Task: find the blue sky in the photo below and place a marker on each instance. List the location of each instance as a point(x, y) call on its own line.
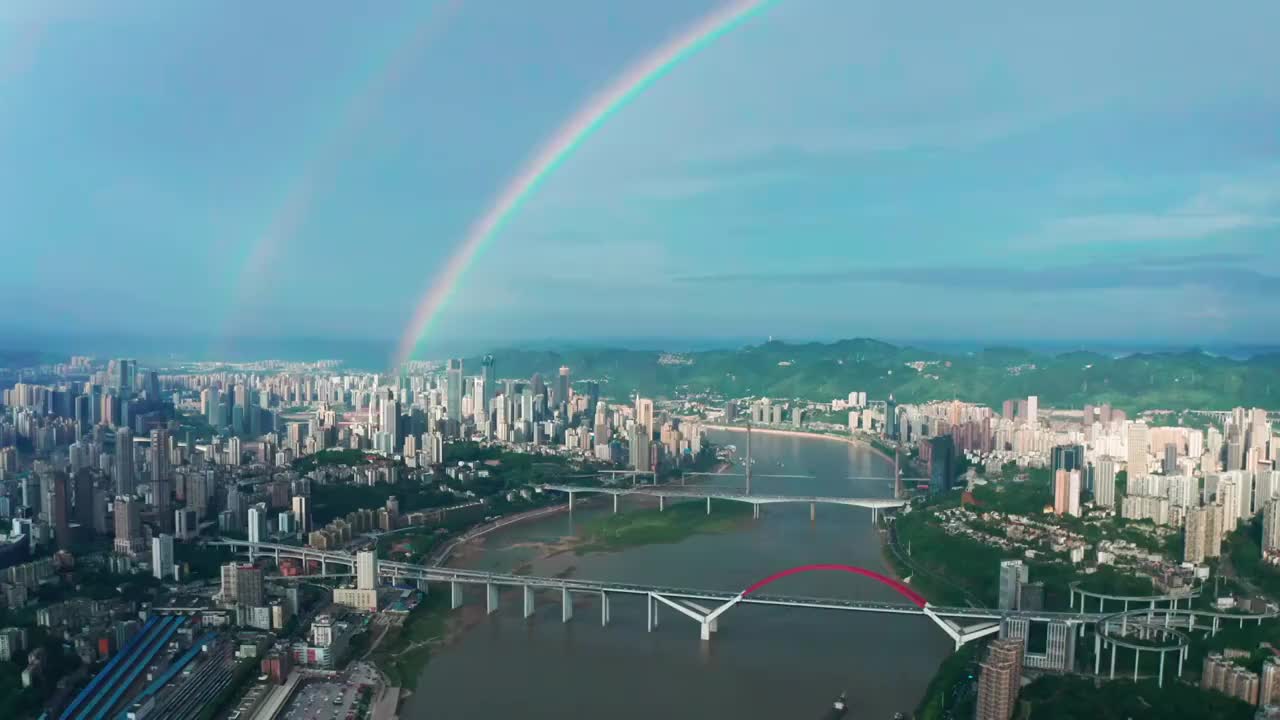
point(829, 169)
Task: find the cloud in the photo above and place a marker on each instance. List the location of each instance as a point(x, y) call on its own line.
point(1206, 271)
point(1224, 206)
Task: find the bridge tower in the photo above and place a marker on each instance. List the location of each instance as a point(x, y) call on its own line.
point(748, 456)
point(897, 476)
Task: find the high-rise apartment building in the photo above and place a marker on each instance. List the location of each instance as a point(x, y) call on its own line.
point(1066, 492)
point(301, 505)
point(1000, 680)
point(1137, 450)
point(366, 570)
point(128, 539)
point(1271, 527)
point(1104, 482)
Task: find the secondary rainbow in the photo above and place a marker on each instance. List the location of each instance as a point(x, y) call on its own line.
point(591, 116)
point(325, 161)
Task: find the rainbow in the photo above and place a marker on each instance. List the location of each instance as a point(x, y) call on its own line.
point(560, 146)
point(326, 161)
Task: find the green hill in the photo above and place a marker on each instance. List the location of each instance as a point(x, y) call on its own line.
point(822, 371)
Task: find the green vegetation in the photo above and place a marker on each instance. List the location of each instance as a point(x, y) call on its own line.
point(335, 500)
point(651, 526)
point(941, 700)
point(818, 371)
point(332, 456)
point(1059, 697)
point(1244, 546)
point(403, 656)
point(203, 561)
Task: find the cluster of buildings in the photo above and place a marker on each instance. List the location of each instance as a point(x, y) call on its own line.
point(1223, 672)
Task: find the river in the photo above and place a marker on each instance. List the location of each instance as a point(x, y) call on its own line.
point(763, 663)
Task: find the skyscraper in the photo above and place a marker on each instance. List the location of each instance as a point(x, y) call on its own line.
point(1033, 410)
point(258, 523)
point(162, 556)
point(942, 462)
point(128, 539)
point(1137, 450)
point(1013, 573)
point(1066, 492)
point(1068, 457)
point(562, 387)
point(124, 462)
point(1194, 535)
point(59, 505)
point(366, 570)
point(1104, 482)
point(1271, 527)
point(302, 511)
point(1000, 680)
point(453, 386)
point(490, 381)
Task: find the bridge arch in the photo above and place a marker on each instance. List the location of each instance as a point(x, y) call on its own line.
point(916, 598)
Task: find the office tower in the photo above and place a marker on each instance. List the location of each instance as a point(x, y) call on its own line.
point(1000, 680)
point(214, 418)
point(1066, 492)
point(639, 448)
point(1067, 457)
point(562, 387)
point(84, 415)
point(162, 556)
point(128, 539)
point(1104, 482)
point(593, 397)
point(124, 462)
point(453, 386)
point(1137, 450)
point(258, 523)
point(1006, 410)
point(389, 420)
point(301, 506)
point(942, 463)
point(1235, 455)
point(1013, 573)
point(487, 375)
point(1229, 499)
point(1271, 527)
point(366, 570)
point(1033, 410)
point(159, 455)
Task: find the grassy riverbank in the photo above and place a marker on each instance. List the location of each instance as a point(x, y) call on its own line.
point(402, 656)
point(651, 526)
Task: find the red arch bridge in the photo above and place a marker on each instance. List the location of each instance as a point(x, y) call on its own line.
point(704, 607)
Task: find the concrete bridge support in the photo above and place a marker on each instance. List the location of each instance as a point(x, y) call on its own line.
point(755, 510)
point(652, 606)
point(661, 503)
point(1097, 654)
point(570, 501)
point(455, 595)
point(1113, 661)
point(528, 602)
point(604, 609)
point(615, 503)
point(813, 512)
point(708, 506)
point(566, 605)
point(491, 598)
point(424, 586)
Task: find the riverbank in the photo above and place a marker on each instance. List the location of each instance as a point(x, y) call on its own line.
point(847, 439)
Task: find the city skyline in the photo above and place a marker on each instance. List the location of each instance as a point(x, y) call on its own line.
point(1132, 182)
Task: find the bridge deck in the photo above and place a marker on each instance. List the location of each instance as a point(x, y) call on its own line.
point(727, 494)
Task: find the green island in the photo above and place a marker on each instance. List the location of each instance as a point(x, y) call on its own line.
point(651, 526)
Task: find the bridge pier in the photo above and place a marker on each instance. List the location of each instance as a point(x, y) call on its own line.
point(491, 598)
point(1181, 656)
point(528, 602)
point(1113, 661)
point(566, 605)
point(706, 630)
point(324, 566)
point(1097, 654)
point(873, 516)
point(755, 511)
point(424, 586)
point(708, 505)
point(1160, 677)
point(571, 501)
point(661, 503)
point(455, 595)
point(1214, 631)
point(652, 611)
point(615, 503)
point(1137, 655)
point(604, 609)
